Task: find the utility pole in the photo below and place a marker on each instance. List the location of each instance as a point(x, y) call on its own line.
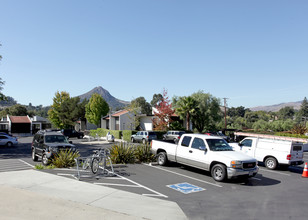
point(225, 105)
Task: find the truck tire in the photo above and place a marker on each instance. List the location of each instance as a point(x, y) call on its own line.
point(34, 157)
point(162, 159)
point(219, 172)
point(271, 163)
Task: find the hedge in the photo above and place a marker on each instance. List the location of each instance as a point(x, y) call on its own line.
point(127, 134)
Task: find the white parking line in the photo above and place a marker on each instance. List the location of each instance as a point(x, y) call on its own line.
point(151, 190)
point(179, 174)
point(277, 172)
point(114, 184)
point(256, 178)
point(26, 163)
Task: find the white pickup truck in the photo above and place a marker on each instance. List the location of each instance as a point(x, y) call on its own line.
point(205, 152)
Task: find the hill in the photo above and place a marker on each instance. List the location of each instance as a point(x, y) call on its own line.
point(113, 102)
point(277, 107)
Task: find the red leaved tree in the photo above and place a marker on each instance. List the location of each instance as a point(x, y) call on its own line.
point(163, 113)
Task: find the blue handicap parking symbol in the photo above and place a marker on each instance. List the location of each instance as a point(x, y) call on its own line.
point(185, 188)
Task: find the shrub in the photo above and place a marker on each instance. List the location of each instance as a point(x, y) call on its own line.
point(127, 134)
point(122, 153)
point(117, 134)
point(143, 153)
point(39, 167)
point(65, 159)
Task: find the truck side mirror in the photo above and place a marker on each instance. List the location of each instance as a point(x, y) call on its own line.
point(203, 148)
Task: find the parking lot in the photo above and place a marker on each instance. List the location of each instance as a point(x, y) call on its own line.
point(278, 194)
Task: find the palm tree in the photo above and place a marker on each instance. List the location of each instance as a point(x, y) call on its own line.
point(186, 106)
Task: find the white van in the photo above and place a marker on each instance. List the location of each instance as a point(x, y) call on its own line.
point(271, 151)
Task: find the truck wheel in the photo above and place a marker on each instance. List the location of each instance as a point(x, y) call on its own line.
point(271, 163)
point(34, 157)
point(45, 160)
point(219, 172)
point(162, 159)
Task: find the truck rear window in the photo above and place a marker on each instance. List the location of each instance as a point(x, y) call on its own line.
point(297, 148)
point(186, 141)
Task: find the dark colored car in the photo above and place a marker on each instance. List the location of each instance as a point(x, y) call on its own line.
point(219, 134)
point(46, 144)
point(72, 133)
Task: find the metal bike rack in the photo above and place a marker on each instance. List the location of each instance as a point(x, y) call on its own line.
point(104, 158)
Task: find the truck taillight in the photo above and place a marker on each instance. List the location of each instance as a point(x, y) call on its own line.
point(289, 157)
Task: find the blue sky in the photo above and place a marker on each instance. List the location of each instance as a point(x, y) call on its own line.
point(251, 52)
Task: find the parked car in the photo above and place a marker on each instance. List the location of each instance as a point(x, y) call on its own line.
point(72, 133)
point(4, 133)
point(218, 134)
point(8, 140)
point(173, 136)
point(144, 137)
point(46, 144)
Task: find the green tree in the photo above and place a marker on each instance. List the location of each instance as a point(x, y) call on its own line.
point(55, 110)
point(70, 111)
point(141, 104)
point(207, 112)
point(302, 114)
point(96, 108)
point(286, 113)
point(15, 110)
point(185, 108)
point(157, 98)
point(2, 97)
point(237, 112)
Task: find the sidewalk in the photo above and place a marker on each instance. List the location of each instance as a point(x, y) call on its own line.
point(32, 194)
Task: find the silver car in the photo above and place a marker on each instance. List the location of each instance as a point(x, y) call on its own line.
point(173, 136)
point(144, 137)
point(8, 140)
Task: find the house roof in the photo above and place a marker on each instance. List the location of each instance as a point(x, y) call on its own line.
point(20, 119)
point(122, 112)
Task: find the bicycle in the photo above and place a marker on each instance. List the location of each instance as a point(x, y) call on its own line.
point(101, 158)
point(87, 162)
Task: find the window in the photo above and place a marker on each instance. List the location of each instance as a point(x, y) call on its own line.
point(197, 143)
point(218, 145)
point(3, 137)
point(141, 133)
point(186, 141)
point(247, 143)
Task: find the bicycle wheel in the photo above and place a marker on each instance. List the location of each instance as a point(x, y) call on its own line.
point(95, 165)
point(86, 164)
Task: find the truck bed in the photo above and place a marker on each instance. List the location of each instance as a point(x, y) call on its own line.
point(169, 148)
